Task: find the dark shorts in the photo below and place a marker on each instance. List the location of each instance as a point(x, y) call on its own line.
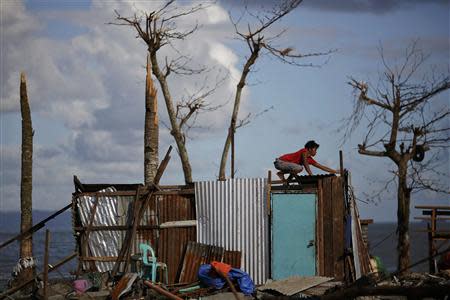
point(287, 167)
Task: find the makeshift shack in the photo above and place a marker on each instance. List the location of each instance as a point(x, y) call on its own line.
point(259, 225)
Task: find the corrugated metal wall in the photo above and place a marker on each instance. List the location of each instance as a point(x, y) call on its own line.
point(102, 243)
point(233, 214)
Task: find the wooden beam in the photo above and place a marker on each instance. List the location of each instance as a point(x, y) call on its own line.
point(433, 207)
point(128, 236)
point(98, 258)
point(115, 228)
point(162, 166)
point(435, 211)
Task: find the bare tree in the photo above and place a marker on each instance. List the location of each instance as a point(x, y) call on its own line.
point(258, 41)
point(158, 29)
point(151, 128)
point(402, 125)
point(25, 266)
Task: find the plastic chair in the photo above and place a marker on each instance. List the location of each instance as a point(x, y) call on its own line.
point(150, 265)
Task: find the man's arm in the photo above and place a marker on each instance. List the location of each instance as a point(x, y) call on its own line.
point(305, 163)
point(324, 168)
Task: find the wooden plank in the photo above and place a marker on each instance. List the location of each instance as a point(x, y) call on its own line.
point(162, 166)
point(436, 211)
point(432, 207)
point(165, 190)
point(338, 227)
point(429, 218)
point(126, 245)
point(328, 227)
point(319, 231)
point(98, 258)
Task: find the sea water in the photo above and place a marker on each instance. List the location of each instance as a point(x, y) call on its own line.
point(382, 240)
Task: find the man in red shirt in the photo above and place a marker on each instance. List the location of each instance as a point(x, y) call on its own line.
point(293, 163)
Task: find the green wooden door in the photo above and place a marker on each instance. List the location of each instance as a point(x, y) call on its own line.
point(293, 235)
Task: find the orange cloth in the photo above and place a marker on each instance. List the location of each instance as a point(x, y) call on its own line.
point(221, 267)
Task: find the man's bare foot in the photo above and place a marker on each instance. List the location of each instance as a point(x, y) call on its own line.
point(281, 176)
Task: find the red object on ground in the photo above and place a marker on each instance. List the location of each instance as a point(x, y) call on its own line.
point(221, 267)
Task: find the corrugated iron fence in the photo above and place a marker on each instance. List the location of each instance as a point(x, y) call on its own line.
point(233, 214)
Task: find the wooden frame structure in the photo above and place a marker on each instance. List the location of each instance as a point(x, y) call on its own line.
point(333, 257)
point(165, 223)
point(433, 214)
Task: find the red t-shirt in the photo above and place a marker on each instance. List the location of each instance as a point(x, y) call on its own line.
point(296, 157)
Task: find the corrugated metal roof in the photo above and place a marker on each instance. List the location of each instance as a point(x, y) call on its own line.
point(233, 214)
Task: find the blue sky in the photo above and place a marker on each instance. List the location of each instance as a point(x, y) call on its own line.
point(86, 88)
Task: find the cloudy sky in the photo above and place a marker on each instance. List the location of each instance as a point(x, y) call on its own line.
point(86, 91)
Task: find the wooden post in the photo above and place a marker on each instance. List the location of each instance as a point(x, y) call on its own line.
point(47, 241)
point(430, 249)
point(433, 233)
point(232, 153)
point(269, 190)
point(341, 163)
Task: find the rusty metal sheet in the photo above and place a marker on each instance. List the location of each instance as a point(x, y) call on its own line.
point(197, 254)
point(233, 258)
point(233, 214)
point(172, 241)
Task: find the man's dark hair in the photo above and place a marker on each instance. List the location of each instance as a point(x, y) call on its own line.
point(311, 144)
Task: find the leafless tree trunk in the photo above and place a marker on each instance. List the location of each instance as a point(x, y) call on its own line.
point(26, 185)
point(403, 126)
point(176, 131)
point(237, 103)
point(257, 39)
point(151, 130)
point(158, 29)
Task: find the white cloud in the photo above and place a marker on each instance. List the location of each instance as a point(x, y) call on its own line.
point(216, 14)
point(92, 84)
